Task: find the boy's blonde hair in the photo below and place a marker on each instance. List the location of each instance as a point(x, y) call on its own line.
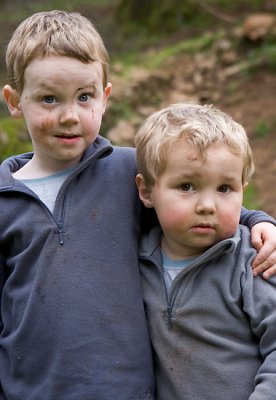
point(55, 32)
point(200, 125)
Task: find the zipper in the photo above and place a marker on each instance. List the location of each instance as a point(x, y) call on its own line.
point(59, 224)
point(169, 315)
point(99, 153)
point(172, 292)
point(169, 303)
point(60, 233)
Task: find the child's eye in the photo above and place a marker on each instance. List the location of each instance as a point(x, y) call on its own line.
point(85, 97)
point(224, 189)
point(49, 99)
point(186, 187)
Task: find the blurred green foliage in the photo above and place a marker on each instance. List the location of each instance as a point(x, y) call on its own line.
point(250, 198)
point(262, 129)
point(170, 15)
point(129, 28)
point(14, 138)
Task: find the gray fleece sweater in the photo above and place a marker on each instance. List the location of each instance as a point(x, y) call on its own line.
point(72, 323)
point(214, 333)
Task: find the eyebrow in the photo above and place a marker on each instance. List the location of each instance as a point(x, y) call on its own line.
point(88, 85)
point(49, 85)
point(190, 175)
point(186, 175)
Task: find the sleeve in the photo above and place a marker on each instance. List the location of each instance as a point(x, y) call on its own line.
point(259, 297)
point(2, 282)
point(2, 396)
point(250, 218)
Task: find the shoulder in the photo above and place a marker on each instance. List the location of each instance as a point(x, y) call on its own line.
point(244, 254)
point(125, 152)
point(123, 157)
point(243, 234)
point(237, 252)
point(118, 169)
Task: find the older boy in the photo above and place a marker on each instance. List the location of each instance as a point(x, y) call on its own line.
point(212, 324)
point(72, 318)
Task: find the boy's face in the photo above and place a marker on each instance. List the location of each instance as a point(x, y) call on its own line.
point(197, 202)
point(62, 102)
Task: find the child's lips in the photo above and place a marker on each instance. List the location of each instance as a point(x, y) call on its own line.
point(203, 228)
point(67, 135)
point(68, 138)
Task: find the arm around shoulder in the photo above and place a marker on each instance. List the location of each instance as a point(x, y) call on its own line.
point(260, 304)
point(263, 239)
point(253, 217)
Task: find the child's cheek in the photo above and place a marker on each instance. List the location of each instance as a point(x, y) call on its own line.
point(40, 122)
point(229, 223)
point(46, 125)
point(175, 219)
point(91, 122)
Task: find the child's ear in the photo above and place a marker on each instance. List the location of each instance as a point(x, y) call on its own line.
point(12, 99)
point(144, 192)
point(107, 91)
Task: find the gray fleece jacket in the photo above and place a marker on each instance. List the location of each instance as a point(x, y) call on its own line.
point(72, 323)
point(214, 333)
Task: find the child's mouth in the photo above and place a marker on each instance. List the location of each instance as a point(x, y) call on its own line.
point(68, 139)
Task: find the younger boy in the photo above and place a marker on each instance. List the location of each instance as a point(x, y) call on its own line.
point(72, 324)
point(212, 324)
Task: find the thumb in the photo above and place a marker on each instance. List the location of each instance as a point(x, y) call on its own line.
point(256, 240)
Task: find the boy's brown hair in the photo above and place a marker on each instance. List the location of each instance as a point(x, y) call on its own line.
point(55, 32)
point(200, 125)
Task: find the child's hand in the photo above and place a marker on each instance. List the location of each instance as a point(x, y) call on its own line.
point(263, 238)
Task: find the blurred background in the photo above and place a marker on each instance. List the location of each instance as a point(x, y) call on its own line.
point(165, 51)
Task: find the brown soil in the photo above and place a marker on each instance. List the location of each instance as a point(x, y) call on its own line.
point(256, 104)
point(216, 77)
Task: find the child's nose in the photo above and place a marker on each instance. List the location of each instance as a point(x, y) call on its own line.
point(206, 204)
point(69, 115)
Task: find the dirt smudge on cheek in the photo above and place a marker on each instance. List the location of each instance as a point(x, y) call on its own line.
point(47, 125)
point(93, 113)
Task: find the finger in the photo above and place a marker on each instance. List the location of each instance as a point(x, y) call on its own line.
point(256, 241)
point(268, 265)
point(261, 268)
point(262, 257)
point(269, 272)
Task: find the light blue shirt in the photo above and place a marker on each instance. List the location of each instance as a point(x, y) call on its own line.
point(171, 268)
point(47, 188)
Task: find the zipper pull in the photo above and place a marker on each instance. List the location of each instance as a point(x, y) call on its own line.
point(60, 233)
point(169, 316)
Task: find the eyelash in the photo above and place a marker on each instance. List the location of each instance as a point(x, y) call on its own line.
point(44, 98)
point(227, 187)
point(185, 186)
point(90, 95)
point(188, 187)
point(53, 98)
